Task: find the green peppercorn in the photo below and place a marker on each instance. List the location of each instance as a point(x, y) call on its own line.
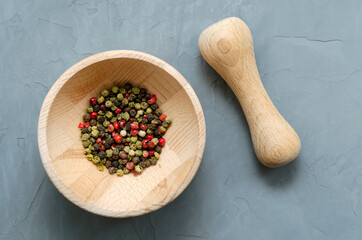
point(89, 109)
point(138, 153)
point(126, 149)
point(138, 169)
point(109, 114)
point(85, 136)
point(100, 166)
point(134, 139)
point(113, 120)
point(115, 89)
point(131, 153)
point(165, 124)
point(157, 155)
point(95, 133)
point(131, 104)
point(105, 93)
point(89, 157)
point(163, 129)
point(144, 105)
point(109, 153)
point(86, 143)
point(125, 170)
point(148, 110)
point(155, 140)
point(136, 90)
point(94, 128)
point(139, 145)
point(137, 106)
point(100, 99)
point(140, 112)
point(125, 102)
point(100, 113)
point(125, 116)
point(109, 104)
point(154, 106)
point(149, 131)
point(123, 91)
point(114, 107)
point(133, 146)
point(87, 151)
point(112, 99)
point(106, 123)
point(96, 159)
point(168, 120)
point(120, 96)
point(120, 172)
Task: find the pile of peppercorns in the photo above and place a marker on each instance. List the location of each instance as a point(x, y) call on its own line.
point(123, 130)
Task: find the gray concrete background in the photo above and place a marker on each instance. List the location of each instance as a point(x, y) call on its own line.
point(309, 56)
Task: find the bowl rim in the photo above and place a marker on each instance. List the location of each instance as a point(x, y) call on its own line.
point(60, 82)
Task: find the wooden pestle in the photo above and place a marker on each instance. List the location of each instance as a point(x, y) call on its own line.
point(228, 47)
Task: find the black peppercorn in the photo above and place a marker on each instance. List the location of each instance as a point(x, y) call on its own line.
point(149, 117)
point(84, 130)
point(148, 96)
point(128, 127)
point(102, 154)
point(86, 117)
point(96, 108)
point(112, 170)
point(143, 90)
point(115, 163)
point(157, 132)
point(142, 164)
point(124, 161)
point(135, 160)
point(133, 112)
point(96, 146)
point(120, 147)
point(154, 106)
point(117, 103)
point(127, 86)
point(152, 126)
point(101, 134)
point(93, 122)
point(158, 112)
point(101, 120)
point(153, 161)
point(92, 139)
point(127, 109)
point(144, 120)
point(148, 163)
point(158, 149)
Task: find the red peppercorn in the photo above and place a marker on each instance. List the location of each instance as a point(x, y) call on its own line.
point(118, 111)
point(145, 116)
point(118, 138)
point(123, 155)
point(130, 165)
point(81, 125)
point(102, 148)
point(163, 117)
point(154, 96)
point(93, 115)
point(126, 144)
point(151, 144)
point(113, 134)
point(151, 101)
point(161, 142)
point(86, 124)
point(113, 145)
point(143, 126)
point(110, 128)
point(122, 123)
point(116, 125)
point(134, 125)
point(99, 140)
point(150, 137)
point(93, 101)
point(102, 107)
point(127, 95)
point(151, 152)
point(145, 143)
point(134, 132)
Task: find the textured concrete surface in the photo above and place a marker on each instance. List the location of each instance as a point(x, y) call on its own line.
point(309, 57)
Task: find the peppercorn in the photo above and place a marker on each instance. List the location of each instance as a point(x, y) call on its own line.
point(112, 170)
point(85, 136)
point(115, 164)
point(135, 160)
point(157, 132)
point(132, 112)
point(93, 122)
point(96, 108)
point(154, 106)
point(86, 117)
point(100, 166)
point(151, 126)
point(120, 172)
point(89, 109)
point(153, 161)
point(158, 148)
point(109, 114)
point(148, 163)
point(142, 164)
point(109, 153)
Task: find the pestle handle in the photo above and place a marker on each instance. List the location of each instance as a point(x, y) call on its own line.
point(228, 47)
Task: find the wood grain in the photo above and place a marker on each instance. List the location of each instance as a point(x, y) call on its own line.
point(61, 149)
point(228, 47)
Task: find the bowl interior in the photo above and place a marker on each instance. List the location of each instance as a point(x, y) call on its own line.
point(128, 195)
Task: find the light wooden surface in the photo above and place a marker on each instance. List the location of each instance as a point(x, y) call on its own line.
point(62, 151)
point(228, 47)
